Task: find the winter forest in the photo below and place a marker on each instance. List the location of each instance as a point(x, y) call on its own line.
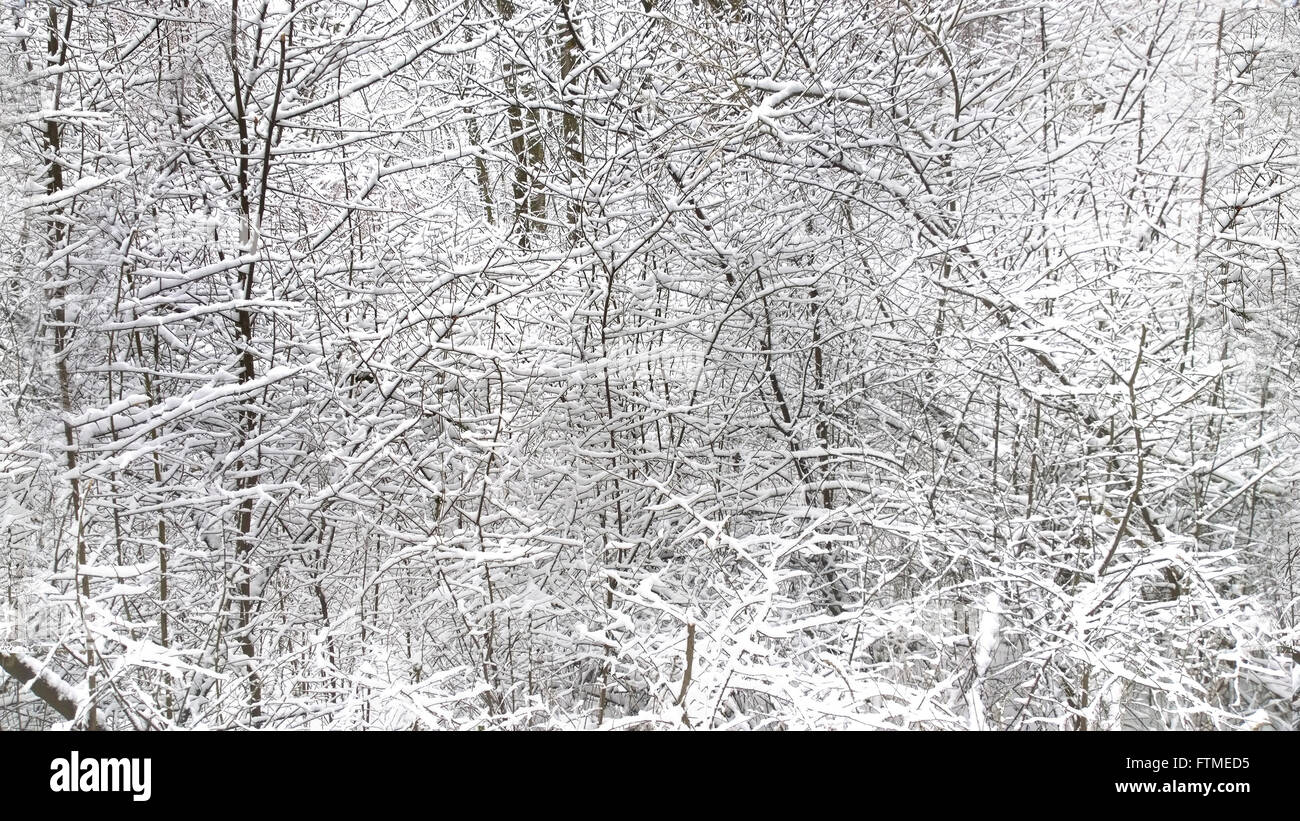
point(649, 364)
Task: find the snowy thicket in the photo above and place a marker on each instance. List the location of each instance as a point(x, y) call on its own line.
point(649, 364)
